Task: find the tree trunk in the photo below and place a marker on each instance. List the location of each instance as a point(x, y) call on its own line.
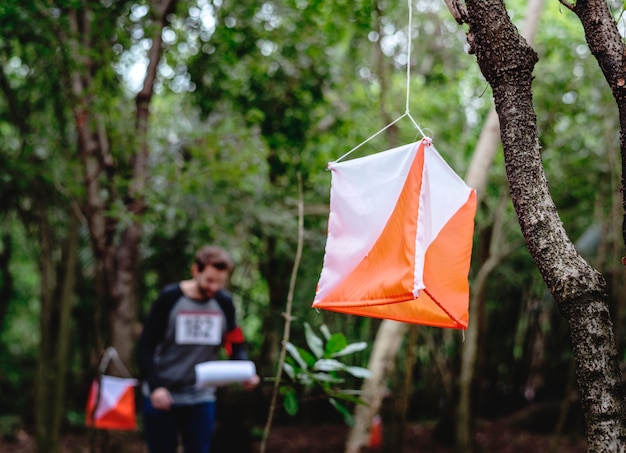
point(507, 61)
point(6, 279)
point(393, 436)
point(477, 176)
point(381, 364)
point(122, 312)
point(47, 438)
point(276, 271)
point(616, 270)
point(65, 296)
point(116, 262)
point(57, 298)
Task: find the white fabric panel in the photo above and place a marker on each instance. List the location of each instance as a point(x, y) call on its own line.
point(363, 194)
point(113, 388)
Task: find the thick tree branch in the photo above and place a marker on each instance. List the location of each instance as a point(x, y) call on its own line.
point(122, 310)
point(606, 45)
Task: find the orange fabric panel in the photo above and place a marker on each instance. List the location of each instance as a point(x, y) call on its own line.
point(122, 416)
point(421, 310)
point(447, 263)
point(91, 402)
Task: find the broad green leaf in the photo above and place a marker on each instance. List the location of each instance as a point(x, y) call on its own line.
point(352, 347)
point(329, 365)
point(359, 372)
point(289, 370)
point(335, 343)
point(307, 356)
point(295, 353)
point(314, 342)
point(325, 331)
point(290, 402)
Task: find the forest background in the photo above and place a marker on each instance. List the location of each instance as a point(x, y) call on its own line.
point(132, 133)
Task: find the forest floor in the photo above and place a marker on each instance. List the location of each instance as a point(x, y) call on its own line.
point(492, 436)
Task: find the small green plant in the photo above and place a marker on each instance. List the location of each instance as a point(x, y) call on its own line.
point(319, 367)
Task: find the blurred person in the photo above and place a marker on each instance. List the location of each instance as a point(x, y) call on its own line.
point(188, 323)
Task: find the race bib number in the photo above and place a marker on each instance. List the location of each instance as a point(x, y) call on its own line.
point(198, 328)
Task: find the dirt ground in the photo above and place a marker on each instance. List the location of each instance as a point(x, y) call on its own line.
point(492, 437)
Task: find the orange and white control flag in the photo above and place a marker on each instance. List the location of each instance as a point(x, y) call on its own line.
point(111, 403)
point(399, 238)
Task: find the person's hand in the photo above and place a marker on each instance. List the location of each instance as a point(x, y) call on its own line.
point(252, 382)
point(161, 399)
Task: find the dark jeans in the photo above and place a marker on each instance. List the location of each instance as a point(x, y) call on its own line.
point(194, 423)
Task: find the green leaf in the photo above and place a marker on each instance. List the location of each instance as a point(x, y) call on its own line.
point(359, 372)
point(325, 331)
point(307, 356)
point(329, 365)
point(295, 353)
point(290, 402)
point(289, 370)
point(349, 349)
point(336, 343)
point(314, 342)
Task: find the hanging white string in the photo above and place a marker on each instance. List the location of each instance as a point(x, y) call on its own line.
point(408, 91)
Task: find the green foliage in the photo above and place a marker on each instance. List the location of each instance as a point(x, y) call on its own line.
point(19, 330)
point(19, 333)
point(319, 368)
point(250, 94)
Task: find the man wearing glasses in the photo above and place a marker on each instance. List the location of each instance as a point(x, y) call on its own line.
point(189, 322)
